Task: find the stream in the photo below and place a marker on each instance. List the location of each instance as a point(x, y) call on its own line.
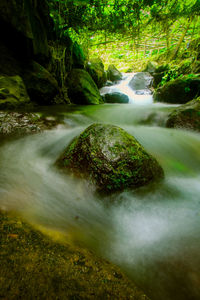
point(152, 233)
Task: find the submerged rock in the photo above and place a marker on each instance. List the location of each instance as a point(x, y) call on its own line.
point(186, 116)
point(110, 158)
point(13, 92)
point(141, 81)
point(95, 68)
point(82, 89)
point(34, 266)
point(179, 91)
point(116, 98)
point(113, 74)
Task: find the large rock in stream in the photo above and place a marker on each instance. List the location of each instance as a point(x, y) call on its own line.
point(113, 74)
point(179, 91)
point(110, 158)
point(116, 97)
point(186, 116)
point(95, 68)
point(141, 81)
point(82, 89)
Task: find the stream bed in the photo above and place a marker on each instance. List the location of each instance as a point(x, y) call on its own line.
point(152, 233)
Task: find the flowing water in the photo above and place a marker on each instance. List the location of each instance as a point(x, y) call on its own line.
point(151, 233)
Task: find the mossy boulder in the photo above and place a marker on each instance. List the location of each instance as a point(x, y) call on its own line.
point(41, 86)
point(186, 116)
point(96, 70)
point(13, 92)
point(82, 88)
point(110, 158)
point(116, 98)
point(78, 56)
point(34, 266)
point(151, 67)
point(141, 81)
point(113, 74)
point(179, 91)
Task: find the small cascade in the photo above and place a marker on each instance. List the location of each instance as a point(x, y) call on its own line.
point(140, 96)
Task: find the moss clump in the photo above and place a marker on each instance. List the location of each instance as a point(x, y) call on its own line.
point(110, 158)
point(35, 267)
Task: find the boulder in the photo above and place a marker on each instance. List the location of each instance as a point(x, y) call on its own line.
point(95, 68)
point(113, 74)
point(81, 88)
point(78, 56)
point(110, 158)
point(13, 92)
point(26, 27)
point(141, 81)
point(151, 67)
point(41, 86)
point(186, 116)
point(179, 91)
point(116, 98)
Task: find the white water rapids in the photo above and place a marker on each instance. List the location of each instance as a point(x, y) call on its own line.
point(152, 233)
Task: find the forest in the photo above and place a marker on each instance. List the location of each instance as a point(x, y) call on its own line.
point(100, 149)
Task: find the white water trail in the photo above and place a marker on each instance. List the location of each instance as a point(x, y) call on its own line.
point(124, 88)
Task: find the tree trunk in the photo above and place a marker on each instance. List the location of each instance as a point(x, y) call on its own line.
point(174, 55)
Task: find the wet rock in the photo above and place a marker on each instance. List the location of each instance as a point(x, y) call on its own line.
point(186, 116)
point(82, 89)
point(113, 74)
point(95, 68)
point(116, 98)
point(34, 266)
point(13, 92)
point(141, 81)
point(15, 123)
point(179, 91)
point(110, 158)
point(41, 86)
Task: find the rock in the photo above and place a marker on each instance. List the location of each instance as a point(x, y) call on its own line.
point(41, 85)
point(81, 88)
point(141, 81)
point(14, 123)
point(186, 116)
point(110, 158)
point(26, 28)
point(78, 56)
point(95, 68)
point(179, 91)
point(12, 92)
point(159, 73)
point(42, 268)
point(151, 67)
point(113, 74)
point(116, 98)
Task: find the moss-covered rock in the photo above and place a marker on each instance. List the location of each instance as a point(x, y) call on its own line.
point(110, 158)
point(33, 266)
point(13, 92)
point(78, 56)
point(116, 98)
point(41, 86)
point(151, 67)
point(180, 90)
point(81, 88)
point(113, 74)
point(186, 116)
point(95, 68)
